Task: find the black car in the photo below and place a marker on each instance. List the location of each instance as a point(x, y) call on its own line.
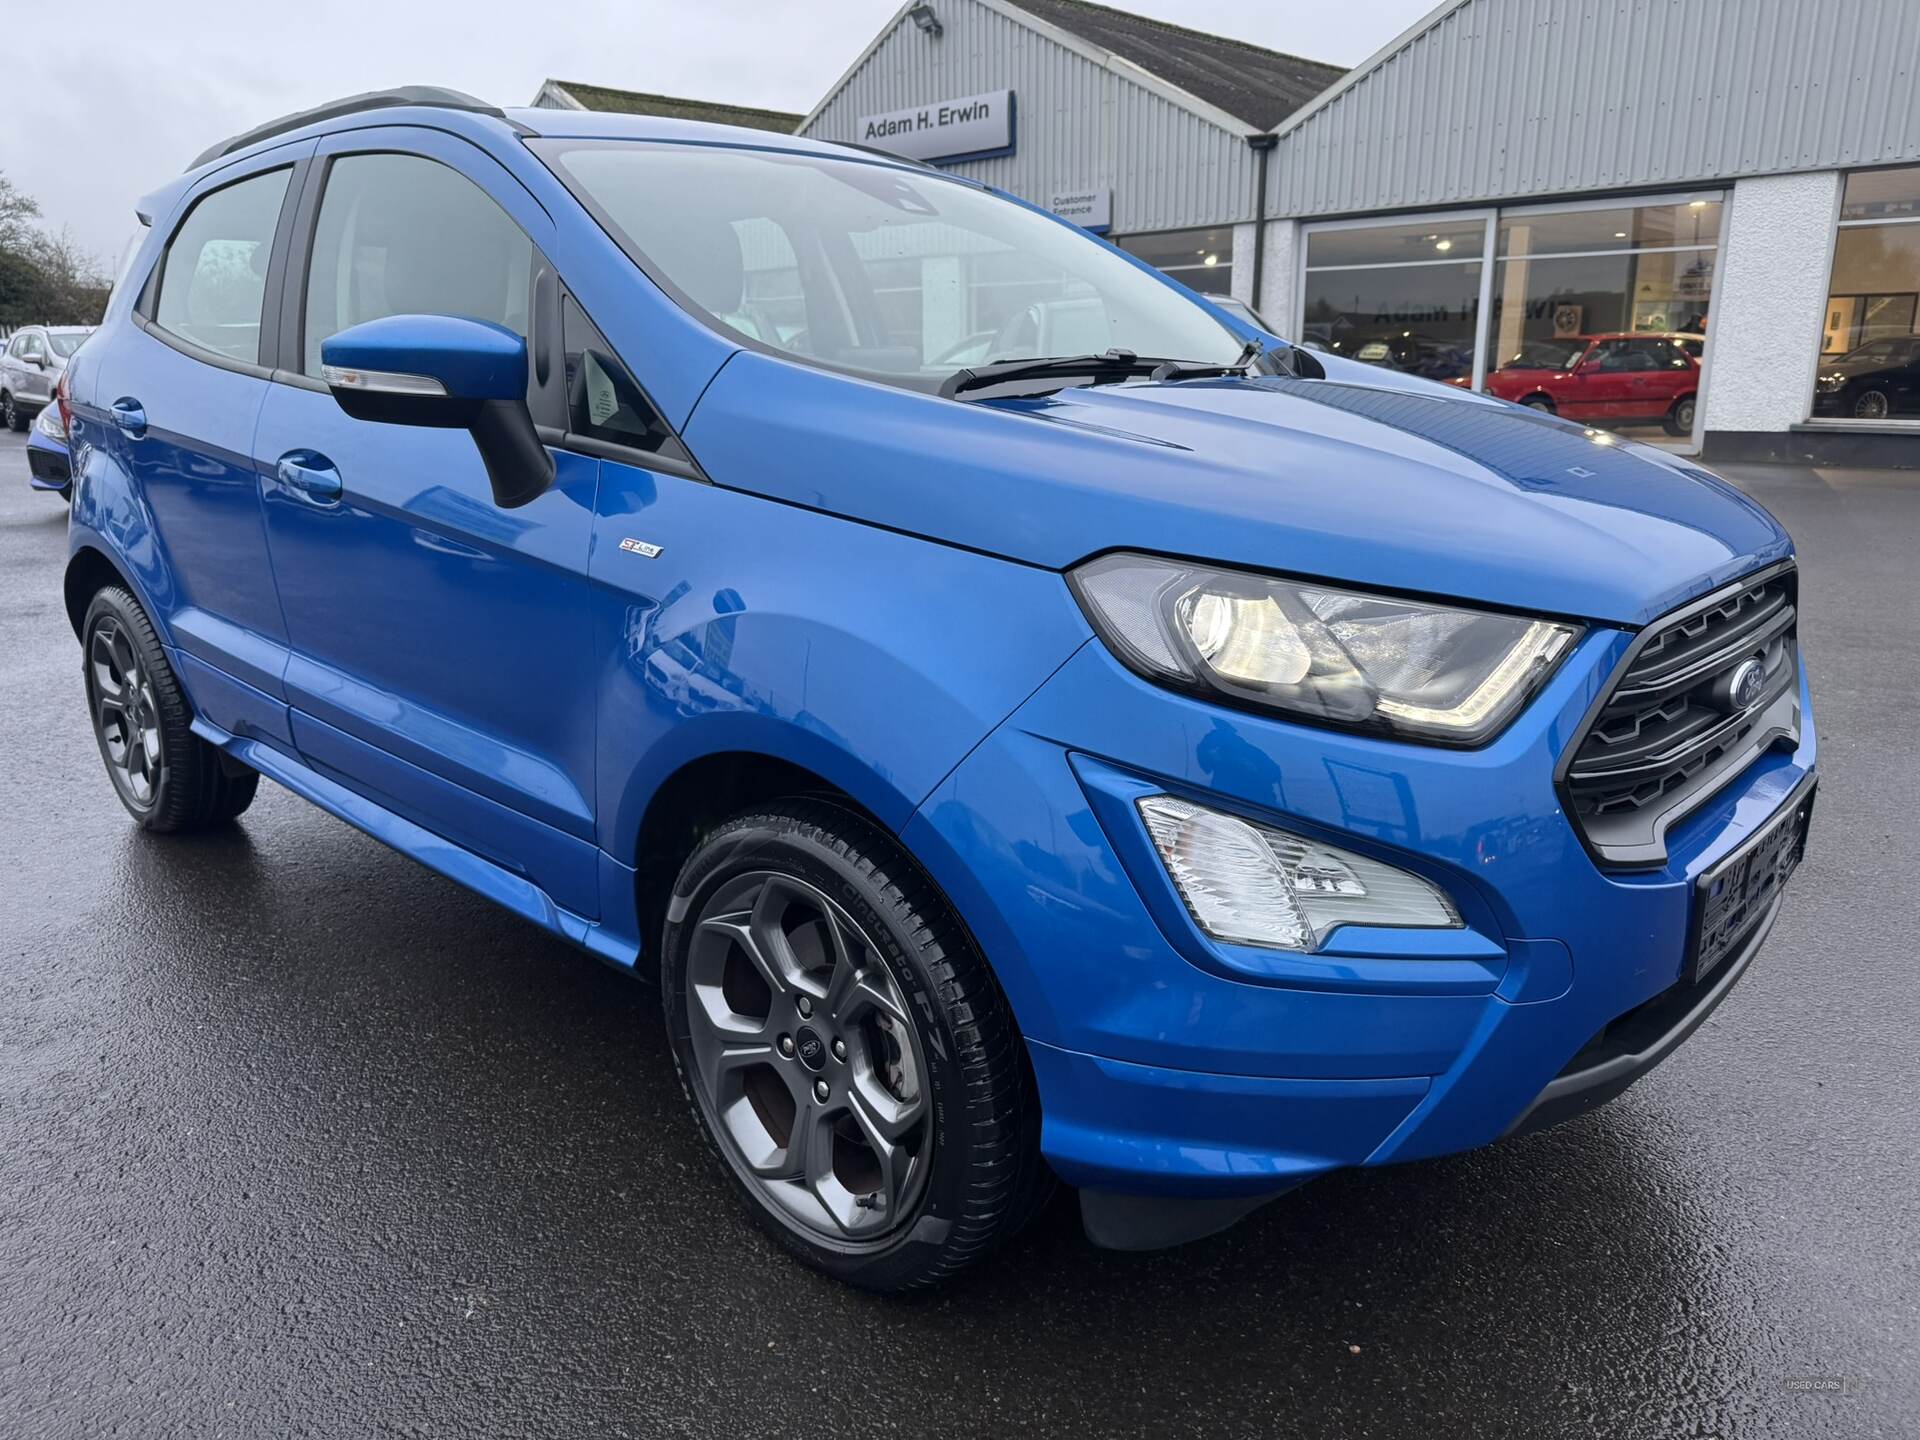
point(1880, 379)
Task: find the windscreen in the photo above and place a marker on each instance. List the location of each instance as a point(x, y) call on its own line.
point(903, 276)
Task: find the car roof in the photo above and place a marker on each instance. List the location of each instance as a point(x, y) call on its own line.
point(451, 110)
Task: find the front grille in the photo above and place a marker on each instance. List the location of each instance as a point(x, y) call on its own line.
point(1672, 731)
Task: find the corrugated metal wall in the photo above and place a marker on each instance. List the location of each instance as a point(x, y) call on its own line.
point(1077, 124)
point(1509, 98)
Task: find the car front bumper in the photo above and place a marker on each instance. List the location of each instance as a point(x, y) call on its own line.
point(49, 466)
point(1173, 1067)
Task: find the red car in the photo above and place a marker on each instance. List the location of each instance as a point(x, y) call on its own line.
point(1638, 376)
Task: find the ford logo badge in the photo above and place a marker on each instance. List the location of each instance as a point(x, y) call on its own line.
point(1746, 685)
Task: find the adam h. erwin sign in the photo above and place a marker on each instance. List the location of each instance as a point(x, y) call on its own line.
point(944, 129)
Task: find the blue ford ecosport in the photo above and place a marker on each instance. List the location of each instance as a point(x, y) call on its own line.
point(1136, 750)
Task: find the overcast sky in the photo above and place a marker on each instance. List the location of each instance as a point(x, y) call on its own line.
point(143, 95)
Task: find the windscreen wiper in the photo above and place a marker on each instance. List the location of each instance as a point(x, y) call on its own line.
point(1112, 365)
point(1189, 370)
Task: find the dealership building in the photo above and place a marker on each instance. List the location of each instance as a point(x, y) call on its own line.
point(1697, 221)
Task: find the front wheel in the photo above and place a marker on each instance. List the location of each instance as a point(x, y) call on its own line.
point(1680, 417)
point(168, 778)
point(846, 1050)
point(1539, 402)
point(1871, 405)
point(10, 415)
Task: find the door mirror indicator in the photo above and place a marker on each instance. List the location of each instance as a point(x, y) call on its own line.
point(448, 373)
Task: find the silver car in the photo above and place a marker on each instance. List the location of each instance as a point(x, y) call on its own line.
point(30, 367)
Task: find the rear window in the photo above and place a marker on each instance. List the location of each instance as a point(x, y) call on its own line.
point(213, 280)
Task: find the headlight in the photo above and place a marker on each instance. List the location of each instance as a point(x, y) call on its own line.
point(1335, 657)
point(1254, 885)
point(1832, 382)
point(48, 423)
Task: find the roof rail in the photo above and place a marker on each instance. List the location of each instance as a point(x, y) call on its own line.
point(432, 95)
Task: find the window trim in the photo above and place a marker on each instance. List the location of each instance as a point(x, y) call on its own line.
point(148, 301)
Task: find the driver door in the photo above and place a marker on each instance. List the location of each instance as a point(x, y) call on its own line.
point(441, 661)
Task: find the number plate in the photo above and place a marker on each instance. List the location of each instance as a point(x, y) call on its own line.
point(1730, 898)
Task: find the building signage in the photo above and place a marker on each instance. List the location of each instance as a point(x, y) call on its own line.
point(944, 129)
point(1090, 208)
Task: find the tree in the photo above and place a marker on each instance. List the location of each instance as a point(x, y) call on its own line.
point(72, 289)
point(45, 278)
point(17, 213)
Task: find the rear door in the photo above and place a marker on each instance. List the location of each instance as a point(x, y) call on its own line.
point(441, 661)
point(184, 383)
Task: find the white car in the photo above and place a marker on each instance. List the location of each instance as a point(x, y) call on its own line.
point(30, 367)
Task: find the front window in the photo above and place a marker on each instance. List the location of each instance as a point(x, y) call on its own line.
point(902, 276)
point(1868, 346)
point(402, 235)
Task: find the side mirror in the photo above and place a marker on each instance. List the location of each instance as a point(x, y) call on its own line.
point(445, 373)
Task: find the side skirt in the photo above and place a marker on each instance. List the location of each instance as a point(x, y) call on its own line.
point(442, 856)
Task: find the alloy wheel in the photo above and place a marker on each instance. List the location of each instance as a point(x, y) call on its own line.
point(12, 416)
point(125, 713)
point(807, 1059)
point(1871, 406)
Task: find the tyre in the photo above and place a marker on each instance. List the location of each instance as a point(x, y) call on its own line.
point(846, 1051)
point(1871, 405)
point(1539, 402)
point(1679, 420)
point(169, 779)
point(10, 414)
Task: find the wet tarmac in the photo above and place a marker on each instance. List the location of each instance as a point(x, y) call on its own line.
point(297, 1138)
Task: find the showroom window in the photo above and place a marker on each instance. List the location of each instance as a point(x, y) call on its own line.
point(1870, 338)
point(1199, 259)
point(1529, 304)
point(1403, 296)
point(1599, 271)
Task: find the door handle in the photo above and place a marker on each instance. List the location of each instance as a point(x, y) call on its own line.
point(311, 474)
point(130, 417)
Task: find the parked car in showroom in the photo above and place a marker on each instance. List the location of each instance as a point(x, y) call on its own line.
point(1878, 381)
point(1175, 767)
point(1409, 352)
point(32, 363)
point(1618, 379)
point(49, 466)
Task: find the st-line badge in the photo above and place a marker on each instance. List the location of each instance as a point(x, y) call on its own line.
point(641, 547)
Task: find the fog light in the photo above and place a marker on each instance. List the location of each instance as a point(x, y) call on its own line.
point(1255, 885)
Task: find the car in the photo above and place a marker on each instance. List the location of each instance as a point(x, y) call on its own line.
point(1170, 768)
point(31, 364)
point(49, 465)
point(1410, 353)
point(1619, 378)
point(1877, 381)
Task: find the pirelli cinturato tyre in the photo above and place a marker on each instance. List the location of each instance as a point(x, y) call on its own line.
point(846, 1049)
